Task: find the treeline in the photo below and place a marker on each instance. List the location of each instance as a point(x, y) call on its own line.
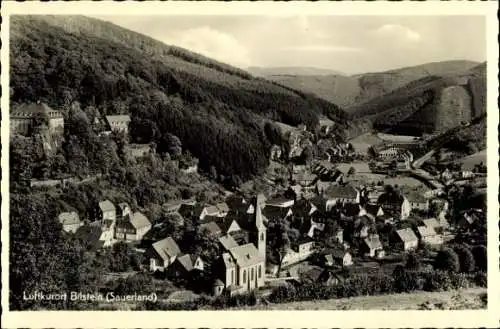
point(60, 68)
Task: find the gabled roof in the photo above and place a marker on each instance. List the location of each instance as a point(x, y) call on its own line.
point(276, 201)
point(139, 220)
point(275, 212)
point(246, 255)
point(431, 222)
point(106, 205)
point(91, 234)
point(426, 231)
point(407, 235)
point(166, 248)
point(69, 218)
point(186, 261)
point(116, 118)
point(226, 223)
point(337, 253)
point(344, 192)
point(123, 205)
point(373, 242)
point(228, 242)
point(212, 227)
point(29, 110)
point(223, 207)
point(372, 209)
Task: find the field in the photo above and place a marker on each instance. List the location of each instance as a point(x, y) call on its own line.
point(364, 176)
point(397, 138)
point(470, 161)
point(449, 300)
point(363, 142)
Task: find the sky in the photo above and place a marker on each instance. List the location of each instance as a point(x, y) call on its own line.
point(349, 44)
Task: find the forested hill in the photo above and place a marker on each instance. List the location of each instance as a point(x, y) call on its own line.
point(348, 91)
point(433, 103)
point(216, 110)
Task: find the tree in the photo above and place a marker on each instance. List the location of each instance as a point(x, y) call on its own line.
point(466, 259)
point(480, 253)
point(447, 260)
point(278, 239)
point(412, 261)
point(351, 171)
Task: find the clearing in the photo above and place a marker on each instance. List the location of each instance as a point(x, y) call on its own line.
point(470, 161)
point(473, 298)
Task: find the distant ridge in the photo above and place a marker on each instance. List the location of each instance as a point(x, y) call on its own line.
point(292, 71)
point(348, 91)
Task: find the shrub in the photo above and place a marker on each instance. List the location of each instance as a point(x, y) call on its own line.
point(412, 261)
point(437, 281)
point(480, 256)
point(466, 259)
point(459, 280)
point(447, 260)
point(481, 279)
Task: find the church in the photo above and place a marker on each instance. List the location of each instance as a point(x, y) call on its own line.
point(241, 268)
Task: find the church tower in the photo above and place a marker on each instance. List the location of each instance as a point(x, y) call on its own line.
point(259, 234)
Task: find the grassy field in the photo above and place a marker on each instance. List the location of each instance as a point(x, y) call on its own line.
point(364, 176)
point(449, 300)
point(363, 142)
point(470, 161)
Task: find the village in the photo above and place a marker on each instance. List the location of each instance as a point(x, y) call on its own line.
point(337, 208)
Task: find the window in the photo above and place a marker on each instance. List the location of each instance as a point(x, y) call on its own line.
point(244, 276)
point(232, 277)
point(262, 237)
point(251, 276)
point(260, 271)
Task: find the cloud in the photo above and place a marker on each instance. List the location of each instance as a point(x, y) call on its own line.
point(212, 43)
point(324, 48)
point(397, 33)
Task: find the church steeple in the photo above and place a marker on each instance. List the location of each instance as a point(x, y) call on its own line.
point(259, 236)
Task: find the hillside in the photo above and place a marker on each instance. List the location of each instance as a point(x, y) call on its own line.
point(427, 105)
point(291, 70)
point(217, 111)
point(347, 91)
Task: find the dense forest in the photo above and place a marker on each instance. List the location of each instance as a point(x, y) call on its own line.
point(217, 113)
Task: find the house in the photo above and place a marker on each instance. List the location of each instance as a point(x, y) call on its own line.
point(94, 236)
point(70, 221)
point(162, 254)
point(466, 174)
point(276, 153)
point(325, 125)
point(189, 168)
point(394, 204)
point(118, 122)
point(25, 118)
point(123, 210)
point(106, 210)
point(184, 264)
point(315, 228)
point(322, 186)
point(137, 151)
point(405, 239)
point(133, 227)
point(372, 210)
point(341, 257)
point(294, 192)
point(341, 194)
point(299, 251)
point(211, 227)
point(303, 209)
point(438, 225)
point(304, 179)
point(429, 236)
point(372, 247)
point(276, 212)
point(417, 201)
point(280, 202)
point(229, 224)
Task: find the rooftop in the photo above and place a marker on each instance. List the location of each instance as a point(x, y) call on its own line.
point(166, 248)
point(407, 235)
point(246, 255)
point(69, 218)
point(29, 110)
